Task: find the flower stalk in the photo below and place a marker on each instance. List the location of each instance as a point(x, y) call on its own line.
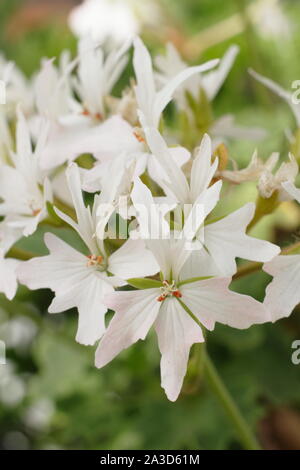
point(243, 431)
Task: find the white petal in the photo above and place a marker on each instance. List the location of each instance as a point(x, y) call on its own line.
point(8, 277)
point(65, 271)
point(202, 169)
point(199, 264)
point(211, 301)
point(292, 190)
point(164, 96)
point(145, 89)
point(176, 332)
point(150, 218)
point(136, 312)
point(133, 259)
point(226, 240)
point(283, 293)
point(87, 295)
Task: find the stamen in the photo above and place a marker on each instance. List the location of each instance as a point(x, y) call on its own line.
point(168, 289)
point(94, 260)
point(138, 134)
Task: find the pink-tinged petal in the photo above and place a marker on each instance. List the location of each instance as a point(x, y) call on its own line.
point(176, 332)
point(136, 312)
point(283, 293)
point(227, 240)
point(133, 259)
point(8, 276)
point(212, 301)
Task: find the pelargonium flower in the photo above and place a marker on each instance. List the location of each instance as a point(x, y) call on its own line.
point(263, 173)
point(80, 280)
point(150, 101)
point(23, 187)
point(225, 239)
point(178, 308)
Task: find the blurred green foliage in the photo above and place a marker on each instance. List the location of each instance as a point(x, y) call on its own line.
point(123, 406)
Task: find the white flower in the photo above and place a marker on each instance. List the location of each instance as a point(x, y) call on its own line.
point(52, 88)
point(82, 281)
point(263, 172)
point(171, 64)
point(225, 239)
point(23, 188)
point(211, 82)
point(97, 75)
point(18, 89)
point(270, 19)
point(150, 101)
point(283, 293)
point(104, 19)
point(164, 306)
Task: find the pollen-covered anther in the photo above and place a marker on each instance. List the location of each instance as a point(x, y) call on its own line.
point(168, 289)
point(177, 294)
point(139, 134)
point(94, 260)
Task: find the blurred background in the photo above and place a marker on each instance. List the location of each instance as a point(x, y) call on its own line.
point(51, 396)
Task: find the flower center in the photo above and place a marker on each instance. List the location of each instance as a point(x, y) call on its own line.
point(167, 290)
point(94, 260)
point(97, 116)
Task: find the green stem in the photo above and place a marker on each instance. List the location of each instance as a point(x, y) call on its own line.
point(243, 432)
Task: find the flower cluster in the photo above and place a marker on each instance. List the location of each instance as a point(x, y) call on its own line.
point(113, 170)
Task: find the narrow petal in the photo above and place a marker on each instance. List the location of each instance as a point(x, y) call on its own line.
point(8, 277)
point(202, 169)
point(213, 81)
point(178, 183)
point(176, 332)
point(164, 96)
